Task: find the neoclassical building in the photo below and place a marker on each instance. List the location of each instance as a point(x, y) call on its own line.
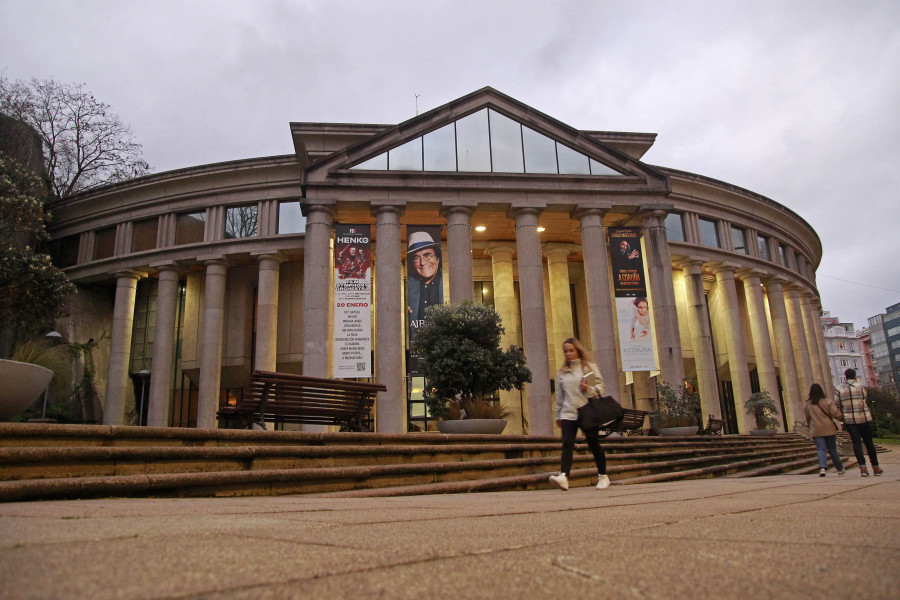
point(191, 279)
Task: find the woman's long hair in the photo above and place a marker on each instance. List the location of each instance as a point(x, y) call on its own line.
point(583, 354)
point(816, 393)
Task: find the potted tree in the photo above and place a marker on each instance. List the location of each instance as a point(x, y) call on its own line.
point(464, 366)
point(679, 410)
point(761, 407)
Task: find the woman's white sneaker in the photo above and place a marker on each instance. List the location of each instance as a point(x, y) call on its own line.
point(602, 482)
point(560, 481)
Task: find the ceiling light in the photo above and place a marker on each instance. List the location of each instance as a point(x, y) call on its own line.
point(480, 228)
point(540, 229)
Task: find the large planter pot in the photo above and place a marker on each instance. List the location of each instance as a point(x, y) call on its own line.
point(679, 431)
point(20, 385)
point(762, 432)
point(472, 426)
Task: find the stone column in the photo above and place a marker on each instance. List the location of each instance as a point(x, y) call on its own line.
point(316, 289)
point(812, 323)
point(560, 296)
point(798, 340)
point(701, 337)
point(534, 322)
point(118, 385)
point(784, 350)
point(759, 332)
point(267, 312)
point(665, 319)
point(505, 305)
point(828, 382)
point(459, 246)
point(599, 295)
point(163, 365)
point(213, 320)
point(734, 342)
point(390, 406)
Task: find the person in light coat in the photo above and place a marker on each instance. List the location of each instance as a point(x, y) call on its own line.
point(577, 380)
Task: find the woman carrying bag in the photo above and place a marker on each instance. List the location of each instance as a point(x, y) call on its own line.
point(577, 380)
point(820, 414)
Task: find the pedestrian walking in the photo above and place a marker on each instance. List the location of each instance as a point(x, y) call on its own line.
point(851, 398)
point(577, 380)
point(820, 414)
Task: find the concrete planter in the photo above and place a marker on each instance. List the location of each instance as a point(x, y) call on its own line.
point(762, 432)
point(679, 431)
point(22, 384)
point(472, 426)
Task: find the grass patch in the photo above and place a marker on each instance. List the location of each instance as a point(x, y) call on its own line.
point(888, 441)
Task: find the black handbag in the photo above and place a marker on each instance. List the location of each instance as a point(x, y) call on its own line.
point(599, 412)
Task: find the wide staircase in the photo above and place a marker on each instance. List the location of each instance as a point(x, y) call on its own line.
point(50, 461)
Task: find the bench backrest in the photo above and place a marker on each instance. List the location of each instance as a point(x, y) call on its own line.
point(318, 399)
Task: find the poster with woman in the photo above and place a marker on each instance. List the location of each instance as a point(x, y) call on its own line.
point(632, 304)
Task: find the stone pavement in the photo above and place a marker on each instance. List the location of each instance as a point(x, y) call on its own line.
point(785, 536)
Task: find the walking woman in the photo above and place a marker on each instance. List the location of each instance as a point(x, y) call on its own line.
point(577, 380)
point(820, 413)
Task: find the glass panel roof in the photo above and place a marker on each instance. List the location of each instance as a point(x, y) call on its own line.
point(486, 142)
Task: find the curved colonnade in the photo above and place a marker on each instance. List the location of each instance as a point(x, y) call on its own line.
point(201, 275)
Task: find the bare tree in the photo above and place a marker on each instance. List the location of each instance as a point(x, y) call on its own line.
point(85, 144)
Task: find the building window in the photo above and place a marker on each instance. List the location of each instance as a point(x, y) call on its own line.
point(104, 243)
point(189, 228)
point(709, 235)
point(290, 218)
point(844, 362)
point(241, 221)
point(674, 227)
point(782, 255)
point(144, 235)
point(486, 141)
point(763, 243)
point(739, 240)
point(64, 251)
point(839, 344)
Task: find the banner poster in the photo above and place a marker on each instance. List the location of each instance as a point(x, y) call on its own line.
point(352, 301)
point(632, 304)
point(424, 277)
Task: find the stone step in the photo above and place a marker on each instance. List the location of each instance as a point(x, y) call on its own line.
point(39, 461)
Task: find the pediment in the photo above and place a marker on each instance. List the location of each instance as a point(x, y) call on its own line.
point(485, 132)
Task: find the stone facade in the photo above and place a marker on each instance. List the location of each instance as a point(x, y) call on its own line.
point(233, 279)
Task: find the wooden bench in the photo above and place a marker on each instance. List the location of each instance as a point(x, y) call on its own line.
point(287, 398)
point(631, 424)
point(713, 426)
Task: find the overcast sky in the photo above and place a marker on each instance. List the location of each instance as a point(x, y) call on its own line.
point(795, 100)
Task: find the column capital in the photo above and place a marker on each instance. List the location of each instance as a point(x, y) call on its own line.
point(216, 262)
point(591, 209)
point(327, 206)
point(449, 209)
point(750, 273)
point(517, 211)
point(692, 264)
point(657, 210)
point(557, 250)
point(136, 275)
point(167, 266)
point(724, 268)
point(276, 256)
point(496, 248)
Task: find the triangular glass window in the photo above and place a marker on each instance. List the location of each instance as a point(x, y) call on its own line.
point(486, 142)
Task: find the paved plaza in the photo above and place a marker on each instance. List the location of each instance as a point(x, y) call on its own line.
point(786, 536)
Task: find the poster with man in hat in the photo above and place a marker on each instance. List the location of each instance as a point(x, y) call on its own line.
point(425, 281)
